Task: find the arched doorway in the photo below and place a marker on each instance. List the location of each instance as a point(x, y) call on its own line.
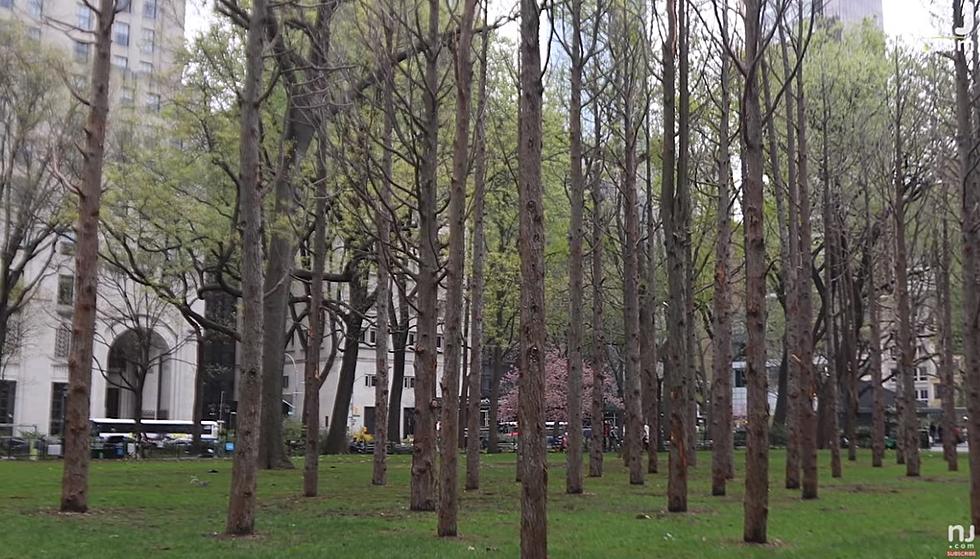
point(138, 376)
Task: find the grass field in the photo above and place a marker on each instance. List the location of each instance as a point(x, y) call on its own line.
point(177, 509)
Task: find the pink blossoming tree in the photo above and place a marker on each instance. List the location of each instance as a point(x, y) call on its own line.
point(556, 390)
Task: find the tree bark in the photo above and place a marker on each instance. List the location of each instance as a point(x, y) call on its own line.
point(832, 434)
point(241, 502)
point(311, 373)
point(671, 202)
point(478, 278)
point(874, 350)
point(423, 495)
point(399, 342)
point(597, 438)
point(379, 474)
point(74, 481)
point(573, 458)
point(965, 142)
point(449, 489)
point(337, 436)
point(947, 384)
point(534, 483)
point(756, 500)
point(721, 387)
point(903, 307)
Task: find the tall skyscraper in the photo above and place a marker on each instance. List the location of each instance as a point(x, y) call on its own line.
point(146, 36)
point(851, 12)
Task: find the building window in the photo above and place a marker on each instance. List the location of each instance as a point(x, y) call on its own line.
point(146, 67)
point(921, 374)
point(8, 392)
point(62, 341)
point(739, 378)
point(439, 343)
point(150, 9)
point(120, 33)
point(923, 394)
point(127, 97)
point(66, 289)
point(84, 17)
point(409, 382)
point(124, 6)
point(285, 381)
point(120, 61)
point(59, 393)
point(153, 102)
point(66, 248)
point(411, 338)
point(149, 41)
point(81, 51)
point(370, 380)
point(35, 8)
point(372, 336)
point(34, 33)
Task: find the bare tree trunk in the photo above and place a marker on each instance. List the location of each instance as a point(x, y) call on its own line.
point(965, 142)
point(874, 349)
point(478, 278)
point(337, 436)
point(628, 92)
point(379, 475)
point(534, 484)
point(648, 321)
point(675, 370)
point(197, 411)
point(851, 335)
point(830, 269)
point(721, 393)
point(597, 439)
point(947, 373)
point(903, 309)
point(241, 502)
point(807, 375)
point(74, 481)
point(423, 496)
point(449, 489)
point(757, 448)
point(684, 210)
point(792, 283)
point(573, 462)
point(311, 373)
point(399, 342)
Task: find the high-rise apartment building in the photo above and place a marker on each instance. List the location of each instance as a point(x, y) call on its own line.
point(851, 12)
point(146, 37)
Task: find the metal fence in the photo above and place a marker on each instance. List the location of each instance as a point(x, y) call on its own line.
point(20, 441)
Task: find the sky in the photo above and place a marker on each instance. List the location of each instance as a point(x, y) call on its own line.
point(914, 22)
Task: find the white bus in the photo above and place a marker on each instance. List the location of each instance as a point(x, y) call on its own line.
point(157, 431)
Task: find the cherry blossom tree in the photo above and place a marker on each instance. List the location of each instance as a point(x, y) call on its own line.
point(556, 390)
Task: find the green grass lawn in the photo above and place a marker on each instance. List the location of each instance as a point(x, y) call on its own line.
point(156, 509)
